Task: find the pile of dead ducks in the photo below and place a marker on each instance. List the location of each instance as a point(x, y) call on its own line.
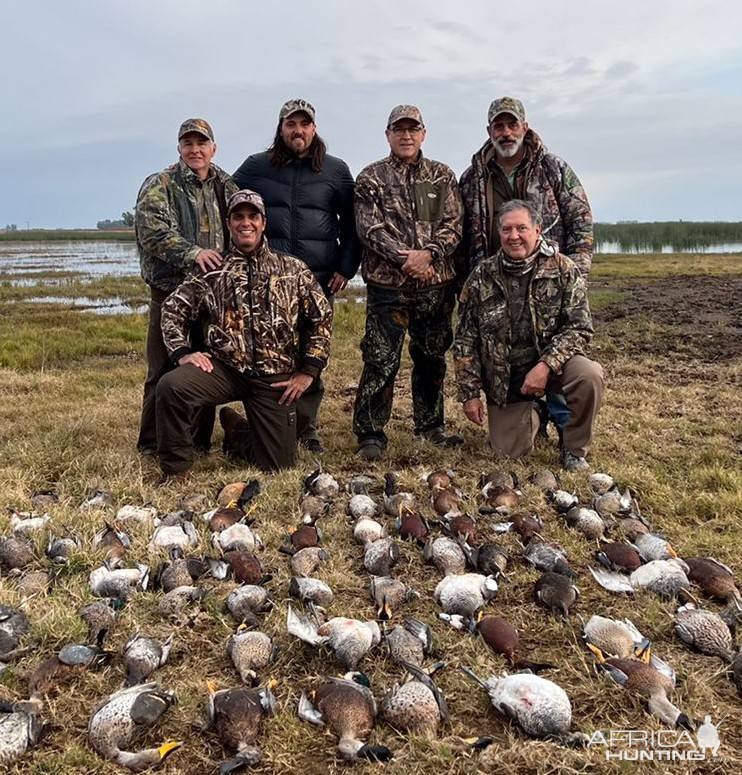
point(469, 541)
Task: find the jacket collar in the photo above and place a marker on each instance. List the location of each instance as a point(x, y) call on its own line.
point(397, 163)
point(256, 255)
point(190, 176)
point(545, 254)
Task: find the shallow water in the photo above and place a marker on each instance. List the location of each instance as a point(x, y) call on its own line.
point(107, 306)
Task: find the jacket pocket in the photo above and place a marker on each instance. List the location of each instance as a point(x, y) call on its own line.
point(430, 200)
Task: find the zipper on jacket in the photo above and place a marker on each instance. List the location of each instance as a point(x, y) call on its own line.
point(252, 324)
point(293, 212)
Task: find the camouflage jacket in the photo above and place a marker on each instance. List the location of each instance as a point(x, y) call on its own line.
point(401, 206)
point(541, 178)
point(254, 305)
point(560, 313)
point(167, 221)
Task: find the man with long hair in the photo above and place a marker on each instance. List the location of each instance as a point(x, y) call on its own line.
point(308, 197)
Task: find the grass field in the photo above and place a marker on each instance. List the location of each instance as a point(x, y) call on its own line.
point(57, 235)
point(668, 335)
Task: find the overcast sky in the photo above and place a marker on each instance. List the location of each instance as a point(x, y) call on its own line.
point(643, 99)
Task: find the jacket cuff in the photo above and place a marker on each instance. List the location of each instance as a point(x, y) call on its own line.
point(554, 363)
point(467, 394)
point(176, 355)
point(435, 251)
point(312, 366)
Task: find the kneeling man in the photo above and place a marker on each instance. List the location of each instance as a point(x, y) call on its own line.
point(524, 324)
point(254, 305)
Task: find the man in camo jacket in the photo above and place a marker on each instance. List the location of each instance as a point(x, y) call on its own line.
point(408, 218)
point(524, 326)
point(255, 304)
point(180, 226)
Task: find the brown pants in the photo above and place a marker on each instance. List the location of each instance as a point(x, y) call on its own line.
point(159, 364)
point(271, 439)
point(513, 427)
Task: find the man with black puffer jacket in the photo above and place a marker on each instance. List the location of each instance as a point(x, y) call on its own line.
point(308, 197)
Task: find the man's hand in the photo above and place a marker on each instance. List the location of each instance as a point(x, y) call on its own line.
point(474, 410)
point(417, 263)
point(295, 385)
point(201, 360)
point(208, 259)
point(337, 283)
point(535, 381)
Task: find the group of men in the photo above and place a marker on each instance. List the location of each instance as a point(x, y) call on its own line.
point(243, 271)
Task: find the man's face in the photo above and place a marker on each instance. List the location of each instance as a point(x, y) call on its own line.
point(507, 134)
point(246, 227)
point(298, 131)
point(405, 139)
point(196, 151)
point(518, 235)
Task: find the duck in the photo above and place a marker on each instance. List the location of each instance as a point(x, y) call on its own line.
point(498, 478)
point(20, 730)
point(461, 527)
point(348, 709)
point(306, 561)
point(359, 484)
point(182, 535)
point(308, 589)
point(312, 508)
point(43, 500)
point(175, 572)
point(618, 556)
point(417, 706)
point(704, 631)
point(248, 600)
point(735, 672)
point(564, 500)
point(301, 538)
point(525, 525)
point(654, 547)
point(489, 558)
point(498, 498)
point(250, 651)
point(131, 513)
point(322, 484)
point(440, 479)
point(445, 501)
point(396, 502)
point(193, 502)
point(412, 526)
point(714, 578)
point(645, 681)
point(14, 625)
point(26, 523)
point(366, 531)
point(586, 521)
point(544, 480)
point(55, 671)
point(381, 556)
point(118, 583)
point(32, 583)
point(60, 548)
point(389, 595)
point(631, 527)
point(237, 536)
point(556, 592)
point(446, 554)
point(548, 556)
point(100, 618)
point(540, 707)
point(362, 506)
point(613, 502)
point(143, 655)
point(230, 494)
point(223, 517)
point(114, 541)
point(236, 715)
point(616, 637)
point(122, 716)
point(245, 566)
point(501, 637)
point(600, 483)
point(666, 578)
point(173, 604)
point(15, 553)
point(409, 642)
point(97, 499)
point(466, 593)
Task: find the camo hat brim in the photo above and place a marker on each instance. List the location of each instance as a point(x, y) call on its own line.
point(405, 111)
point(296, 106)
point(506, 105)
point(198, 125)
point(246, 197)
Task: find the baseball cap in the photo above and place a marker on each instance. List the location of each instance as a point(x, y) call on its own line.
point(200, 125)
point(296, 105)
point(506, 105)
point(405, 111)
point(246, 197)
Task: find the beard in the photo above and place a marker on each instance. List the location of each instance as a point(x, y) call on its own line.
point(508, 151)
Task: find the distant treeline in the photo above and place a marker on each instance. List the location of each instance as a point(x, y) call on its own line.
point(680, 235)
point(60, 235)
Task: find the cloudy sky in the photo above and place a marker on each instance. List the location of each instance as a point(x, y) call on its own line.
point(643, 99)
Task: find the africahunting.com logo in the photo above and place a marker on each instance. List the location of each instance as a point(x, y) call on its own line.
point(665, 745)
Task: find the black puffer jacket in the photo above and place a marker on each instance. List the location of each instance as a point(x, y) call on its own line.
point(310, 214)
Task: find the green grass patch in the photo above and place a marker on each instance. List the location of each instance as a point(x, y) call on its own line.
point(61, 235)
point(654, 265)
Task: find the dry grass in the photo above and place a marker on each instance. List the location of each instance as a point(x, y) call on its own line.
point(669, 428)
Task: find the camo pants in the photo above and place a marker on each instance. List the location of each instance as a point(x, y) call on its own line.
point(426, 315)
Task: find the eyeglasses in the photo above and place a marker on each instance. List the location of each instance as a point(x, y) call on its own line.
point(415, 130)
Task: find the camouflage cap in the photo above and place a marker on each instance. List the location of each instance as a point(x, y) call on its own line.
point(405, 111)
point(199, 125)
point(246, 197)
point(506, 105)
point(296, 106)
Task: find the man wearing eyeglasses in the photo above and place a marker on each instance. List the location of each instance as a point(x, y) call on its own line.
point(409, 218)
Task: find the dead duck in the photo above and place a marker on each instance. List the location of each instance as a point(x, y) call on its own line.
point(654, 547)
point(525, 525)
point(306, 561)
point(631, 527)
point(735, 672)
point(409, 642)
point(618, 556)
point(613, 502)
point(43, 500)
point(57, 670)
point(122, 716)
point(498, 478)
point(311, 590)
point(247, 601)
point(16, 553)
point(540, 707)
point(396, 502)
point(143, 655)
point(714, 578)
point(389, 595)
point(544, 480)
point(20, 729)
point(440, 479)
point(179, 601)
point(193, 502)
point(118, 583)
point(645, 681)
point(237, 494)
point(237, 715)
point(490, 559)
point(14, 625)
point(131, 513)
point(547, 556)
point(666, 578)
point(250, 651)
point(555, 592)
point(704, 631)
point(114, 541)
point(32, 583)
point(586, 521)
point(563, 500)
point(462, 527)
point(362, 506)
point(445, 501)
point(175, 572)
point(381, 556)
point(616, 637)
point(97, 499)
point(183, 535)
point(417, 706)
point(446, 554)
point(60, 548)
point(301, 538)
point(366, 531)
point(223, 517)
point(466, 593)
point(502, 638)
point(360, 484)
point(237, 536)
point(322, 484)
point(498, 498)
point(312, 508)
point(412, 526)
point(27, 523)
point(600, 483)
point(100, 617)
point(348, 709)
point(245, 566)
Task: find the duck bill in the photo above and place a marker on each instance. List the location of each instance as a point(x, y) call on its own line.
point(167, 748)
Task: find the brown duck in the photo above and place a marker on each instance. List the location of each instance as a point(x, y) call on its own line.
point(502, 638)
point(715, 579)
